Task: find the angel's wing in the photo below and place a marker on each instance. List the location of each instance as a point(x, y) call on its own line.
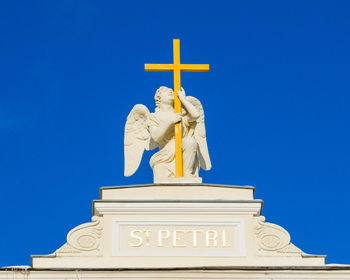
point(200, 136)
point(136, 138)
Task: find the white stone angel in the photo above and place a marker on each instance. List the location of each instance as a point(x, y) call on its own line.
point(146, 131)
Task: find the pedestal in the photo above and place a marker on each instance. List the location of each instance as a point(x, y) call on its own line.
point(177, 226)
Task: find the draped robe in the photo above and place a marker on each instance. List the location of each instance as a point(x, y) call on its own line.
point(163, 162)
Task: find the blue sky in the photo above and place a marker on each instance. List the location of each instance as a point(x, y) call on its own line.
point(277, 96)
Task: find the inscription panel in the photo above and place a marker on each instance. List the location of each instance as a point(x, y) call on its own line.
point(161, 237)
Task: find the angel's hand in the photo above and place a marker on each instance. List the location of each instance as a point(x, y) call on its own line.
point(181, 94)
point(175, 118)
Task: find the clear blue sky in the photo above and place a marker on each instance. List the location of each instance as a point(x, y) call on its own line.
point(277, 96)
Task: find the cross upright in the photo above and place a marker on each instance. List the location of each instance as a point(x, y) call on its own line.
point(177, 68)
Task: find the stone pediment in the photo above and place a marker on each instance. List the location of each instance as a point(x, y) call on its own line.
point(177, 225)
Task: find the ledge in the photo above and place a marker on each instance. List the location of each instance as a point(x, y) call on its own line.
point(178, 184)
point(179, 191)
point(247, 207)
point(227, 268)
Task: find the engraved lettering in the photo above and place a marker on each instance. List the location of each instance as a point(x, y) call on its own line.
point(223, 238)
point(211, 235)
point(176, 238)
point(140, 240)
point(148, 234)
point(195, 236)
point(162, 234)
point(184, 238)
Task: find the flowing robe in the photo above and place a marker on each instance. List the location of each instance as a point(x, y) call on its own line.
point(163, 162)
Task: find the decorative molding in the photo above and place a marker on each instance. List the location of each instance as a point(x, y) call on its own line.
point(272, 239)
point(183, 180)
point(83, 240)
point(237, 225)
point(328, 272)
point(242, 208)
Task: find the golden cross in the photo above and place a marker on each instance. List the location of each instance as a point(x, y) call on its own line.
point(177, 68)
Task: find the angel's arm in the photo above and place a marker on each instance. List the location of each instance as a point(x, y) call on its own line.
point(192, 111)
point(158, 132)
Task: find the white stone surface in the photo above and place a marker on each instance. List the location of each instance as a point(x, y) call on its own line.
point(177, 208)
point(176, 180)
point(181, 226)
point(147, 131)
point(169, 192)
point(233, 243)
point(285, 273)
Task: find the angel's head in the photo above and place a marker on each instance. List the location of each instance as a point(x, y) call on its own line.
point(164, 95)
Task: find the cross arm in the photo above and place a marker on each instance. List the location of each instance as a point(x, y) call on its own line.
point(159, 67)
point(194, 67)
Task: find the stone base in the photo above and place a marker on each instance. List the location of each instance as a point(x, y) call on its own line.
point(329, 272)
point(179, 180)
point(177, 225)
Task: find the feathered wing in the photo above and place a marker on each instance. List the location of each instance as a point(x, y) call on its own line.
point(200, 136)
point(136, 138)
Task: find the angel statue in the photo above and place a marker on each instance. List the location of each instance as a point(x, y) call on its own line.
point(147, 131)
